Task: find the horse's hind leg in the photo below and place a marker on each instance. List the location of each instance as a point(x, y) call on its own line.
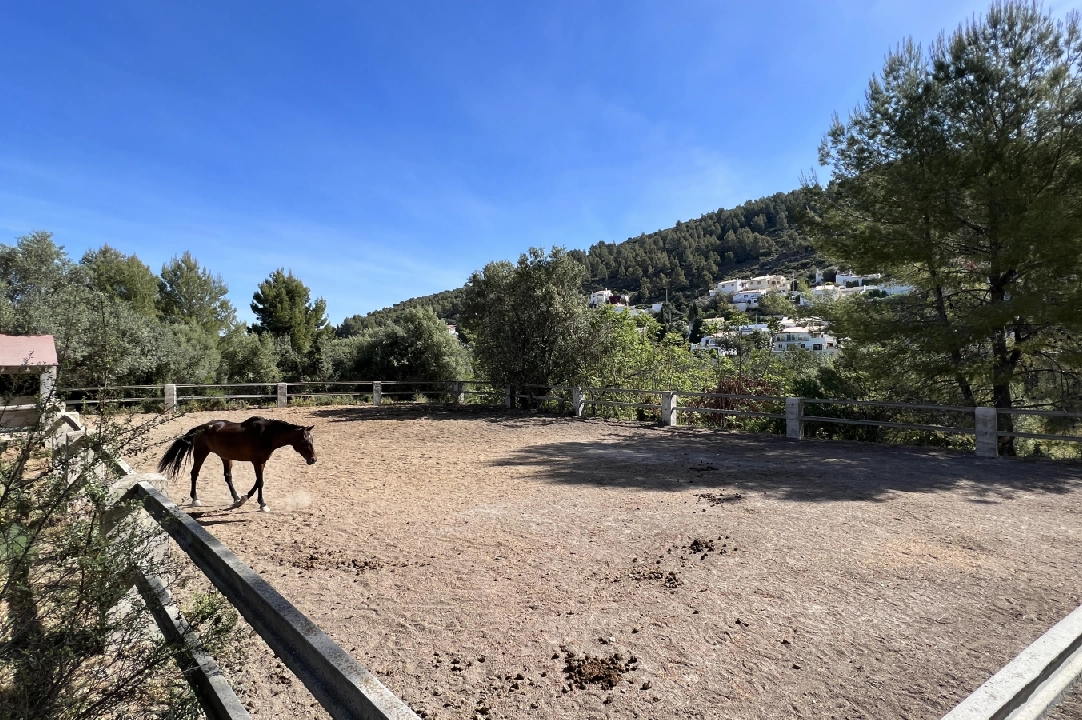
point(228, 464)
point(199, 454)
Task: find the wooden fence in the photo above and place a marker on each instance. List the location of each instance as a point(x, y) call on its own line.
point(982, 423)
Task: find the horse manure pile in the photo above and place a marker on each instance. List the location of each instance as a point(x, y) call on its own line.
point(639, 574)
point(703, 548)
point(330, 561)
point(590, 670)
point(719, 498)
point(315, 558)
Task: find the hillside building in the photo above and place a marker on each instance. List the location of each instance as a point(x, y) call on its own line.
point(812, 338)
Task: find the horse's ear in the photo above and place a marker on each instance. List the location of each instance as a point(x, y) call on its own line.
point(309, 428)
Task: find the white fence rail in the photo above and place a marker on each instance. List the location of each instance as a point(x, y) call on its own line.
point(1034, 681)
point(984, 427)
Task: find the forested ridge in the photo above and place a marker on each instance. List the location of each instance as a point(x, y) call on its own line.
point(757, 237)
point(761, 236)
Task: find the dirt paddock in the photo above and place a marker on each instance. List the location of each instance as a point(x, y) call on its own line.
point(506, 565)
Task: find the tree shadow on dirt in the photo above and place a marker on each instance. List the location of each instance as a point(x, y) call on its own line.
point(809, 470)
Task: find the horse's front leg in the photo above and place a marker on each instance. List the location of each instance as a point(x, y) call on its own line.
point(257, 488)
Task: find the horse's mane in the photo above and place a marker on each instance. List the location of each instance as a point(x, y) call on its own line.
point(270, 423)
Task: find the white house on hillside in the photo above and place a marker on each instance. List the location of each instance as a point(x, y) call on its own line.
point(811, 338)
point(719, 342)
point(608, 297)
point(830, 291)
point(728, 287)
point(766, 283)
point(845, 278)
point(747, 299)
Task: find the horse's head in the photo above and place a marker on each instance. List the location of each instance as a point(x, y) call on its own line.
point(305, 447)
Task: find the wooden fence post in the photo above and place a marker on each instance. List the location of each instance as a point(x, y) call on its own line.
point(170, 397)
point(458, 390)
point(283, 395)
point(986, 423)
point(794, 418)
point(509, 400)
point(377, 393)
point(576, 401)
point(669, 413)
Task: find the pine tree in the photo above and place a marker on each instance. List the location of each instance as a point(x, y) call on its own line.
point(283, 306)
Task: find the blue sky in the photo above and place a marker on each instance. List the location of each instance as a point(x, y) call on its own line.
point(383, 151)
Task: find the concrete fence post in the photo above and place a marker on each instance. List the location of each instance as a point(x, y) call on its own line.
point(283, 395)
point(47, 385)
point(377, 393)
point(509, 399)
point(170, 397)
point(794, 418)
point(986, 423)
point(458, 390)
point(577, 404)
point(669, 413)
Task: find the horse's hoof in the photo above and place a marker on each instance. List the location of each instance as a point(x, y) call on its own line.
point(264, 508)
point(196, 503)
point(238, 503)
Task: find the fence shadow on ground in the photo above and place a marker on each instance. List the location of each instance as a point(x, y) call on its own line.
point(808, 470)
point(435, 411)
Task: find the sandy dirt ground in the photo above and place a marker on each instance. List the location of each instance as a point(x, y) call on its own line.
point(490, 564)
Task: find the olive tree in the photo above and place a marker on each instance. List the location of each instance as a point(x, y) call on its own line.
point(527, 323)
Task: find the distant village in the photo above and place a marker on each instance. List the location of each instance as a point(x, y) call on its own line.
point(786, 334)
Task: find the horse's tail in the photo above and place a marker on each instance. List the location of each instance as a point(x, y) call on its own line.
point(181, 449)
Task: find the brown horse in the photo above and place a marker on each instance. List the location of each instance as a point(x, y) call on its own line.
point(253, 440)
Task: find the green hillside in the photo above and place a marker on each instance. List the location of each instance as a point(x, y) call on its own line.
point(751, 239)
point(758, 237)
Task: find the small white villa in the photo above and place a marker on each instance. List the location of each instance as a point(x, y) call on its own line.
point(812, 338)
point(608, 297)
point(762, 283)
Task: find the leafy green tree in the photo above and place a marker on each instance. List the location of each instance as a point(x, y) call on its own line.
point(776, 303)
point(527, 322)
point(123, 276)
point(961, 175)
point(189, 293)
point(193, 355)
point(634, 351)
point(100, 339)
point(283, 306)
point(247, 357)
point(33, 276)
point(417, 346)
